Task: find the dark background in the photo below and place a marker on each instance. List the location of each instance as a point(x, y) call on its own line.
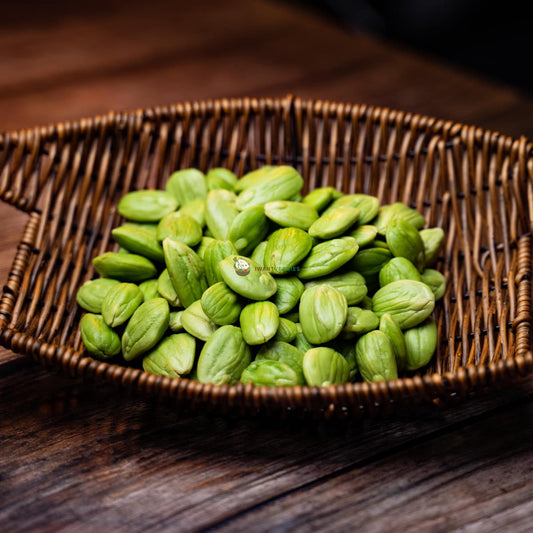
point(494, 39)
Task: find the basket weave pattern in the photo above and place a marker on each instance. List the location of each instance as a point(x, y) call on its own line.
point(475, 184)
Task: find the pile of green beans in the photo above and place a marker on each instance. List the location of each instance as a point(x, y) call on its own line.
point(222, 280)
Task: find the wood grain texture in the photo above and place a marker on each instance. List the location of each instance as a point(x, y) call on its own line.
point(89, 62)
point(77, 456)
point(478, 477)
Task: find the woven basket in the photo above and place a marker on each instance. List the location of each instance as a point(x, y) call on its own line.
point(475, 184)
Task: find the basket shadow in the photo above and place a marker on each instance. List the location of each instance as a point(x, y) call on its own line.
point(122, 426)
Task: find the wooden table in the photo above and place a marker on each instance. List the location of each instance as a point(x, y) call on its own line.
point(77, 457)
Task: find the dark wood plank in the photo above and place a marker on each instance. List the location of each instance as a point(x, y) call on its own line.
point(137, 58)
point(80, 454)
point(151, 49)
point(407, 83)
point(478, 478)
point(140, 36)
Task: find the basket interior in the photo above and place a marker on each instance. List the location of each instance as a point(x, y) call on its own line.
point(473, 184)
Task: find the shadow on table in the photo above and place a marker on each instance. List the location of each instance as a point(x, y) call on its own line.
point(56, 407)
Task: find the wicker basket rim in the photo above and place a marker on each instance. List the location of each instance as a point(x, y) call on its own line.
point(49, 132)
point(464, 378)
point(521, 365)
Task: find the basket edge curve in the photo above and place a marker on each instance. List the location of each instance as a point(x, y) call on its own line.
point(426, 388)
